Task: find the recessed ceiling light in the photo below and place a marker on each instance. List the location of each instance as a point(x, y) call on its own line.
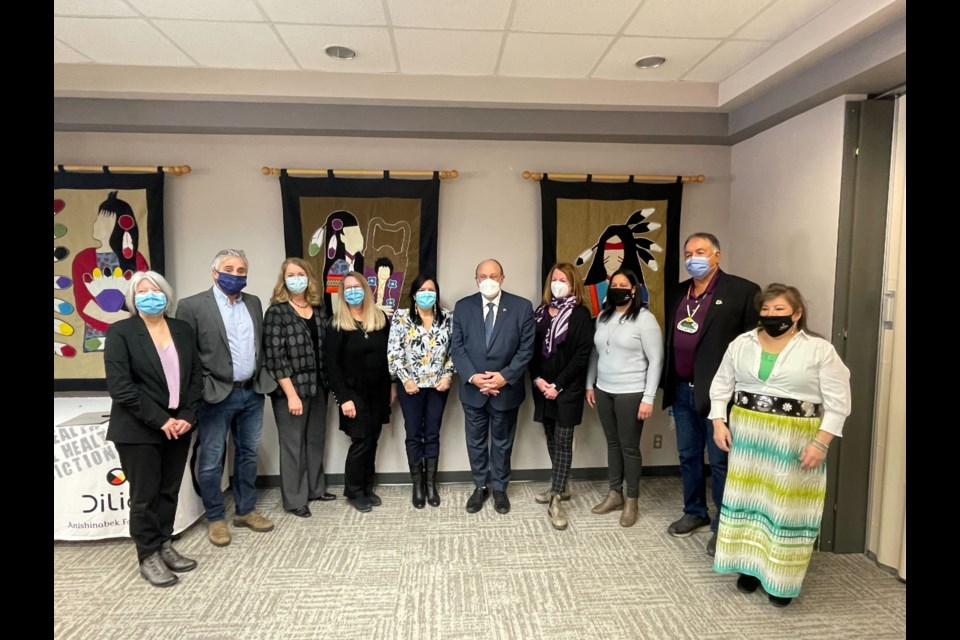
point(650, 62)
point(340, 53)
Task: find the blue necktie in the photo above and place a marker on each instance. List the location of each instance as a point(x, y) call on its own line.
point(488, 323)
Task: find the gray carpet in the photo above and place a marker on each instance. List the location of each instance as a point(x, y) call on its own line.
point(442, 573)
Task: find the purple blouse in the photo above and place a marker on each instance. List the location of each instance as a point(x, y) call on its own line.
point(171, 369)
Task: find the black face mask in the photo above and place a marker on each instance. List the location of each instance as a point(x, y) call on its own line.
point(619, 297)
point(776, 325)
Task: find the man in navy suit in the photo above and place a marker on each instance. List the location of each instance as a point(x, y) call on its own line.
point(491, 346)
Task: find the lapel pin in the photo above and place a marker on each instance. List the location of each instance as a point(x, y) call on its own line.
point(718, 302)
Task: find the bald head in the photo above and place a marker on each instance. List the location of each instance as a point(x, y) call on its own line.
point(488, 269)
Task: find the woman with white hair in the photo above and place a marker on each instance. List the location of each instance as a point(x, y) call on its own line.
point(355, 358)
point(154, 378)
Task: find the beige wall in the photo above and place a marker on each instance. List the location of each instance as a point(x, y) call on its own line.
point(785, 207)
point(489, 211)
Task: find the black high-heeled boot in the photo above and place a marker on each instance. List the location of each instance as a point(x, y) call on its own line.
point(416, 475)
point(433, 496)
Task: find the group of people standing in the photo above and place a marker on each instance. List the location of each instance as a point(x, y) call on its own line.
point(727, 345)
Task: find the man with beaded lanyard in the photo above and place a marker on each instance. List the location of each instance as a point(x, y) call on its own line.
point(701, 318)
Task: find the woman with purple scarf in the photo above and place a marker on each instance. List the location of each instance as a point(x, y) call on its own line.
point(561, 354)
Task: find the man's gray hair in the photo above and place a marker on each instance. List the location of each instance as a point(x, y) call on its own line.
point(229, 253)
point(709, 237)
point(157, 280)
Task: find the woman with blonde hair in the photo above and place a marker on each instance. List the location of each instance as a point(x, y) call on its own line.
point(791, 396)
point(355, 357)
point(561, 356)
point(293, 334)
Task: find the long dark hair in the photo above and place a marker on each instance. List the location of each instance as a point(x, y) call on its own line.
point(125, 237)
point(333, 240)
point(414, 287)
point(792, 296)
point(636, 303)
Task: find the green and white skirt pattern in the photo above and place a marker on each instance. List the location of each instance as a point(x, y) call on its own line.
point(772, 508)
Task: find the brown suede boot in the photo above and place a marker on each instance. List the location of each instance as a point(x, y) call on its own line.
point(629, 516)
point(613, 502)
point(557, 517)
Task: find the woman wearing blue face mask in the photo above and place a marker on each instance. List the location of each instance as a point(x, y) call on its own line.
point(355, 358)
point(154, 378)
point(293, 333)
point(418, 352)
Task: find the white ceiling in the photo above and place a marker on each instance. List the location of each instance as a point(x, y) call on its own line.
point(586, 47)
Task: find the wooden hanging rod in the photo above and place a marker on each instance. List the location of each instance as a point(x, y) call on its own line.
point(371, 173)
point(612, 177)
point(175, 170)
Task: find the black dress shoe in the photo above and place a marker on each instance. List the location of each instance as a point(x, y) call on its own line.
point(475, 502)
point(747, 584)
point(326, 497)
point(374, 499)
point(361, 504)
point(301, 512)
point(777, 601)
point(501, 503)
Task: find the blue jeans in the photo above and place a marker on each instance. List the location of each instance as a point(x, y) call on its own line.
point(241, 415)
point(693, 433)
point(422, 415)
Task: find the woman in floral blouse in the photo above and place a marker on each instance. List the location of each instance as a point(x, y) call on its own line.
point(418, 355)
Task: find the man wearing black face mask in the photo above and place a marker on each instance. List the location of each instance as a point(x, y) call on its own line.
point(707, 313)
point(229, 327)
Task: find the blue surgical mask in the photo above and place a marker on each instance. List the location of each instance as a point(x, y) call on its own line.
point(231, 284)
point(426, 299)
point(353, 296)
point(697, 266)
point(296, 284)
point(151, 303)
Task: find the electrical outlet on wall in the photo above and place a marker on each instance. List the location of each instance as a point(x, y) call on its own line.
point(657, 441)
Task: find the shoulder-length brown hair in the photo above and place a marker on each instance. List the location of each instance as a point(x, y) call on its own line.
point(312, 294)
point(576, 283)
point(373, 318)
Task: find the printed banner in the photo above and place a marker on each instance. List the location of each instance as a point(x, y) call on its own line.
point(385, 229)
point(105, 227)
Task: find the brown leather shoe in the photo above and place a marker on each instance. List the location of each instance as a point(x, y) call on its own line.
point(630, 512)
point(544, 498)
point(253, 521)
point(613, 502)
point(557, 517)
point(218, 532)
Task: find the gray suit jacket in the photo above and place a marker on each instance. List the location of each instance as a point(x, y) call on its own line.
point(203, 314)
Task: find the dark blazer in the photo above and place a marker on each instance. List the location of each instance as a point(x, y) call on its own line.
point(511, 348)
point(288, 349)
point(567, 369)
point(201, 312)
point(733, 311)
point(138, 385)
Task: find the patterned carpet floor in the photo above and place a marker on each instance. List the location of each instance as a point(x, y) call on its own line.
point(442, 573)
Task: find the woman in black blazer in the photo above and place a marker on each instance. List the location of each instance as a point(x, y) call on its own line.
point(155, 381)
point(293, 330)
point(561, 356)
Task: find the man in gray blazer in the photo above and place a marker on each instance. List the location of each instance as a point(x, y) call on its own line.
point(229, 327)
point(491, 346)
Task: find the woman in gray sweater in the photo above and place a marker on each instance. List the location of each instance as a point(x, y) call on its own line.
point(622, 384)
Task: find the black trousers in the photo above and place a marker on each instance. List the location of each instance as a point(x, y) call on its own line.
point(359, 468)
point(154, 473)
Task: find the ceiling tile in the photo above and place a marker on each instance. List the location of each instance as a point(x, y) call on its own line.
point(372, 44)
point(348, 12)
point(449, 14)
point(572, 16)
point(98, 8)
point(62, 54)
point(681, 54)
point(727, 59)
point(432, 51)
point(551, 56)
point(782, 18)
point(228, 45)
point(119, 41)
point(221, 10)
point(693, 18)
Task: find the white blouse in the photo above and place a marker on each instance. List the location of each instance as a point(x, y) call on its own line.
point(808, 369)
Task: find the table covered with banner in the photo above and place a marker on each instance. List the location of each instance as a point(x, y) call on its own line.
point(89, 487)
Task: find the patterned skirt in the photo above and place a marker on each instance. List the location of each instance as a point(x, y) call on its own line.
point(771, 507)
